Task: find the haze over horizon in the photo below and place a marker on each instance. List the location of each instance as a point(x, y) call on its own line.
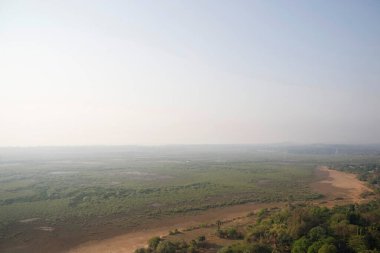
point(189, 72)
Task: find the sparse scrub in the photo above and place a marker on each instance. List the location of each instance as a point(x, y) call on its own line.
point(114, 188)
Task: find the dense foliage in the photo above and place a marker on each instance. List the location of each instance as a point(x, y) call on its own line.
point(295, 229)
point(158, 245)
point(313, 229)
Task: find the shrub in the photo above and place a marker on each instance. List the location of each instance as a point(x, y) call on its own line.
point(301, 245)
point(316, 233)
point(358, 243)
point(141, 250)
point(327, 248)
point(201, 238)
point(153, 242)
point(246, 248)
point(230, 233)
point(165, 247)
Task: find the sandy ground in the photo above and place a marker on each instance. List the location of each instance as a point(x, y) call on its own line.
point(338, 187)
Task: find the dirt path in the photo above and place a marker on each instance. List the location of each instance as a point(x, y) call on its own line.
point(333, 184)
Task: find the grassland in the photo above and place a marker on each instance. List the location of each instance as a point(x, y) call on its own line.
point(72, 192)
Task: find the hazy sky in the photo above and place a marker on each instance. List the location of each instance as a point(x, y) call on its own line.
point(170, 72)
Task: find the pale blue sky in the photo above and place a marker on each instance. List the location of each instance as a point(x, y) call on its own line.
point(178, 72)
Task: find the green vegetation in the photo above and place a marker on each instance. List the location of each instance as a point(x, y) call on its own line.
point(166, 246)
point(302, 228)
point(66, 186)
point(80, 190)
point(229, 233)
point(352, 228)
point(298, 229)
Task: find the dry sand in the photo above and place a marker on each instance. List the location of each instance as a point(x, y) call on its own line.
point(339, 186)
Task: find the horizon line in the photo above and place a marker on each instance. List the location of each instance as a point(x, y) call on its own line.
point(192, 144)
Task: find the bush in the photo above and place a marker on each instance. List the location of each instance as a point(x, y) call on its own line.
point(191, 249)
point(230, 233)
point(165, 247)
point(141, 250)
point(301, 245)
point(201, 238)
point(327, 248)
point(260, 248)
point(246, 248)
point(358, 243)
point(316, 233)
point(314, 248)
point(153, 242)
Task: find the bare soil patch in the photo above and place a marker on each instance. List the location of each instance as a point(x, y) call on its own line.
point(339, 187)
